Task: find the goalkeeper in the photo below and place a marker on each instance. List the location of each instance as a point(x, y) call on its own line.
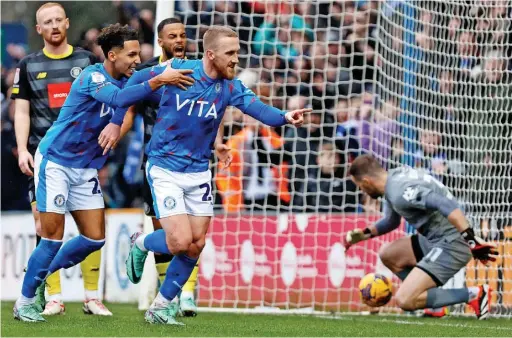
point(444, 244)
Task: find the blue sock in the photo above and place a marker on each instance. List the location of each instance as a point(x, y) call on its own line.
point(37, 267)
point(75, 251)
point(155, 242)
point(177, 275)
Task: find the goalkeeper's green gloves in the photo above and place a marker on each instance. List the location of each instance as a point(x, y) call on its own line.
point(355, 236)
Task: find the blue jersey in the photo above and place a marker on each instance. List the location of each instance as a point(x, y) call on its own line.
point(72, 141)
point(188, 120)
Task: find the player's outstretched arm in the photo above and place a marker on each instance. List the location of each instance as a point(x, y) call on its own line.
point(389, 222)
point(244, 99)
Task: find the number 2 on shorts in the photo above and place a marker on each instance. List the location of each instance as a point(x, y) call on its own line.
point(95, 189)
point(206, 196)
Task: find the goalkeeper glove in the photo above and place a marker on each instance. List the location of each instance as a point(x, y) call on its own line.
point(355, 236)
point(482, 251)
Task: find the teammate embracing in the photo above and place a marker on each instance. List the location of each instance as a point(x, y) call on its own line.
point(70, 154)
point(173, 41)
point(444, 243)
point(178, 162)
point(42, 83)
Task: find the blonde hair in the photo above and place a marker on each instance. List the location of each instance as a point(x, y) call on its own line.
point(48, 5)
point(214, 33)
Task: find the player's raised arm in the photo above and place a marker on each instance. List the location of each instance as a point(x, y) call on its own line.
point(155, 77)
point(104, 91)
point(244, 99)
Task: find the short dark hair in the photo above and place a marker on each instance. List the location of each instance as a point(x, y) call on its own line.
point(365, 165)
point(114, 36)
point(165, 22)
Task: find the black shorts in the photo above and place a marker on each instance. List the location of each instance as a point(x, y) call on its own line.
point(31, 190)
point(149, 210)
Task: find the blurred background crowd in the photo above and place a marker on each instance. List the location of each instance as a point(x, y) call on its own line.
point(352, 62)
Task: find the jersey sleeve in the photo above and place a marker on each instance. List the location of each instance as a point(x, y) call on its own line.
point(96, 85)
point(241, 96)
point(244, 99)
point(21, 87)
point(390, 220)
point(135, 80)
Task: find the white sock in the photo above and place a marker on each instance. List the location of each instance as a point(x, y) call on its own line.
point(91, 294)
point(473, 292)
point(22, 301)
point(187, 295)
point(139, 242)
point(56, 297)
point(160, 300)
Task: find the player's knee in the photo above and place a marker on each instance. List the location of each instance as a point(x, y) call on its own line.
point(200, 244)
point(404, 301)
point(178, 246)
point(386, 256)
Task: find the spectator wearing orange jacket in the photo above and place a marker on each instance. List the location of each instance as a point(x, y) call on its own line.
point(256, 179)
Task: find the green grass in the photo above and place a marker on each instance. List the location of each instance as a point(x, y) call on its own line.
point(129, 322)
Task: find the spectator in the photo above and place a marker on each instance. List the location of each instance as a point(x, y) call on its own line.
point(329, 189)
point(274, 35)
point(252, 181)
point(301, 147)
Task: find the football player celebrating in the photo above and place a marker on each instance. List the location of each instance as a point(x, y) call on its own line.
point(178, 161)
point(70, 154)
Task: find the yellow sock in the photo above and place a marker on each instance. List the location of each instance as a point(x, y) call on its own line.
point(161, 268)
point(91, 272)
point(190, 285)
point(53, 283)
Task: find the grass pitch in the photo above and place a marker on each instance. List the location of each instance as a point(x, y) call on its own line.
point(129, 322)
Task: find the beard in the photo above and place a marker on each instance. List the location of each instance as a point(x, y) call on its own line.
point(168, 54)
point(224, 71)
point(54, 40)
point(375, 195)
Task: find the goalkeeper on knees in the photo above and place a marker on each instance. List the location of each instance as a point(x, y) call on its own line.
point(444, 243)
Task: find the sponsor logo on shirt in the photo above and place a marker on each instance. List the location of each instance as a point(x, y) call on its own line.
point(189, 105)
point(57, 94)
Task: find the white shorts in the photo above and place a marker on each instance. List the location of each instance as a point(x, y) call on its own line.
point(60, 189)
point(176, 193)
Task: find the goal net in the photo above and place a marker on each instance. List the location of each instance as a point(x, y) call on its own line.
point(419, 83)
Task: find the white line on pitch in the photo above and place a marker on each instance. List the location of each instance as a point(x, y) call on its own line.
point(407, 322)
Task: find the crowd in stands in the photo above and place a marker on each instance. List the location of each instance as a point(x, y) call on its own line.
point(331, 56)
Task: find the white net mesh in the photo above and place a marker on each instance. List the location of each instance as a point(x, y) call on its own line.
point(423, 83)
